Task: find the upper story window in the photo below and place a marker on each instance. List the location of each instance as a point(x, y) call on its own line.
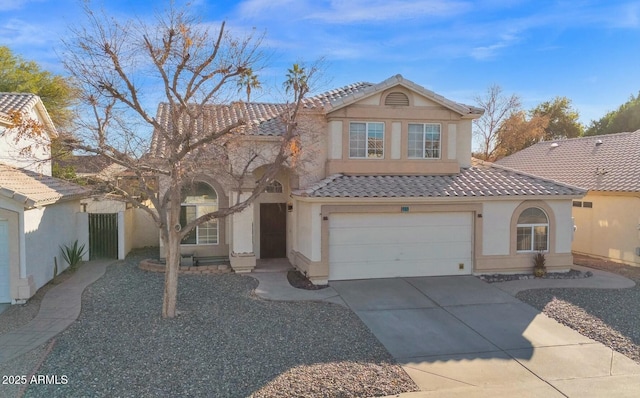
point(424, 141)
point(366, 140)
point(198, 200)
point(274, 187)
point(533, 230)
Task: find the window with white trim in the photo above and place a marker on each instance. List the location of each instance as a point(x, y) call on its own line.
point(366, 140)
point(532, 230)
point(198, 200)
point(274, 187)
point(424, 141)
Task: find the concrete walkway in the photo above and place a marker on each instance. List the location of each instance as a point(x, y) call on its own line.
point(60, 307)
point(461, 337)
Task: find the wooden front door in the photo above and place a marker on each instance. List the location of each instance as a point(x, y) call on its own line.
point(273, 230)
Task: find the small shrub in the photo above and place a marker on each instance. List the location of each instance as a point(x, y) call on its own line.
point(539, 267)
point(73, 255)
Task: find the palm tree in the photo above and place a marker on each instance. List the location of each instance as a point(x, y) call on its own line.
point(248, 81)
point(297, 81)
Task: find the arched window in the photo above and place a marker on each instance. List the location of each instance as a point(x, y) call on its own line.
point(199, 199)
point(533, 230)
point(274, 187)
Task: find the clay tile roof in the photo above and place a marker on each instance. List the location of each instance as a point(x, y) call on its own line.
point(16, 102)
point(330, 97)
point(33, 189)
point(598, 163)
point(263, 119)
point(23, 102)
point(335, 99)
point(483, 180)
point(84, 164)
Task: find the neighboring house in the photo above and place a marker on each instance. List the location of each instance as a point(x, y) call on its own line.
point(607, 219)
point(391, 190)
point(12, 147)
point(38, 213)
point(88, 165)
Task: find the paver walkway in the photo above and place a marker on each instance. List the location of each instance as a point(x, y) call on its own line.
point(60, 307)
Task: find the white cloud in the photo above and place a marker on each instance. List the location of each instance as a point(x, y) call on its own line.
point(352, 11)
point(355, 11)
point(490, 51)
point(262, 8)
point(9, 5)
point(19, 32)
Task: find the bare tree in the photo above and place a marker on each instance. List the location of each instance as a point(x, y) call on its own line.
point(119, 64)
point(497, 108)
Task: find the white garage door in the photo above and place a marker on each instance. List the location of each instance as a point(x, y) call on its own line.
point(366, 245)
point(5, 294)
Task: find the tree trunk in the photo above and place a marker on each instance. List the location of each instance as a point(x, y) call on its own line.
point(170, 297)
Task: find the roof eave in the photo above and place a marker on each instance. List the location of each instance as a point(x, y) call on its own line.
point(419, 199)
point(398, 80)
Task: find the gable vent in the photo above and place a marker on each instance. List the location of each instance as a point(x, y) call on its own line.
point(397, 99)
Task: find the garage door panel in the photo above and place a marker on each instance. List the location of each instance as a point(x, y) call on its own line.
point(425, 251)
point(398, 234)
point(368, 220)
point(384, 269)
point(387, 245)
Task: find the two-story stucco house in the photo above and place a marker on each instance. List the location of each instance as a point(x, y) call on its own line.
point(392, 191)
point(37, 211)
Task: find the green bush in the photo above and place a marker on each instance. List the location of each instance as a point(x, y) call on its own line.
point(73, 255)
point(539, 267)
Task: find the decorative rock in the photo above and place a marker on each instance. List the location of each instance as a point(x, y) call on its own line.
point(572, 274)
point(156, 266)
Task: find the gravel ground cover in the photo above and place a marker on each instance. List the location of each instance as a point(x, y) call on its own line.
point(225, 343)
point(609, 316)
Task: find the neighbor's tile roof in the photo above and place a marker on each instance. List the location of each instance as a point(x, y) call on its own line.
point(600, 163)
point(23, 102)
point(84, 164)
point(16, 102)
point(33, 189)
point(483, 180)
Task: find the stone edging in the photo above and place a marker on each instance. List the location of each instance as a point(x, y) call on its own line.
point(152, 265)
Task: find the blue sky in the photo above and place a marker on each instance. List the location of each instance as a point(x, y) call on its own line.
point(588, 51)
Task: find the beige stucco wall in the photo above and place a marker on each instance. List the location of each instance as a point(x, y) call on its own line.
point(494, 230)
point(46, 229)
point(146, 231)
point(455, 136)
point(610, 229)
point(499, 253)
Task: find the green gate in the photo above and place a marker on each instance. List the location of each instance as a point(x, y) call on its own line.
point(103, 236)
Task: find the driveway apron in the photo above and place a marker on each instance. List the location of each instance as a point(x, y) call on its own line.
point(459, 336)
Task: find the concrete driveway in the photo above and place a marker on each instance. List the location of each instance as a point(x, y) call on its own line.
point(458, 336)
